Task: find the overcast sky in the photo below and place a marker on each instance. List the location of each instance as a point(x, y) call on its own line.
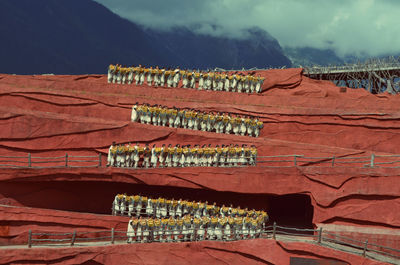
point(347, 26)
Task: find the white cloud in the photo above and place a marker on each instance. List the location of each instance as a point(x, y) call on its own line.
point(347, 26)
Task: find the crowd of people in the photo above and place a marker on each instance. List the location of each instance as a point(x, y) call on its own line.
point(166, 220)
point(134, 156)
point(196, 120)
point(188, 228)
point(202, 80)
point(138, 206)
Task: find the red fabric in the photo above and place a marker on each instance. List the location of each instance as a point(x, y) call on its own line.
point(300, 115)
point(259, 251)
point(18, 220)
point(335, 192)
point(82, 115)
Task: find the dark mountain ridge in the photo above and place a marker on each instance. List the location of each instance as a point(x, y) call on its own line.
point(82, 36)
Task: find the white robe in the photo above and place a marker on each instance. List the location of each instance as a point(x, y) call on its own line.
point(110, 157)
point(258, 86)
point(153, 158)
point(134, 115)
point(110, 75)
point(119, 77)
point(227, 84)
point(116, 206)
point(176, 79)
point(130, 77)
point(130, 231)
point(201, 83)
point(137, 77)
point(141, 78)
point(130, 208)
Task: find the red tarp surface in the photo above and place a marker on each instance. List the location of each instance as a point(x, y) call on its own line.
point(259, 251)
point(83, 115)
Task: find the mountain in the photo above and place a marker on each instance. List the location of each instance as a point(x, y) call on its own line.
point(307, 56)
point(74, 36)
point(202, 51)
point(83, 36)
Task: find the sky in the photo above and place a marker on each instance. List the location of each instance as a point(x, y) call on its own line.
point(349, 27)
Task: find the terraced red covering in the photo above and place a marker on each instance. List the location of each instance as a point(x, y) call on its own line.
point(259, 251)
point(82, 115)
point(16, 222)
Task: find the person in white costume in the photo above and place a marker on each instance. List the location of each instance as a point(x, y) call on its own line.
point(169, 155)
point(227, 84)
point(134, 115)
point(119, 76)
point(146, 156)
point(132, 226)
point(246, 84)
point(192, 79)
point(161, 155)
point(110, 74)
point(221, 82)
point(258, 127)
point(162, 78)
point(170, 77)
point(150, 76)
point(185, 80)
point(201, 82)
point(131, 205)
point(259, 84)
point(135, 156)
point(234, 82)
point(208, 82)
point(142, 76)
point(130, 75)
point(149, 208)
point(111, 155)
point(176, 78)
point(139, 205)
point(179, 116)
point(154, 156)
point(176, 155)
point(124, 73)
point(243, 128)
point(156, 76)
point(122, 205)
point(239, 84)
point(116, 204)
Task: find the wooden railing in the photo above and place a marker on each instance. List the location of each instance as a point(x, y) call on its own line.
point(315, 236)
point(30, 161)
point(72, 161)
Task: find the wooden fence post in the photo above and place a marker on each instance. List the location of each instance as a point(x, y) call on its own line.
point(99, 159)
point(372, 160)
point(112, 235)
point(333, 161)
point(66, 160)
point(365, 248)
point(73, 238)
point(29, 160)
point(274, 230)
point(320, 235)
point(30, 238)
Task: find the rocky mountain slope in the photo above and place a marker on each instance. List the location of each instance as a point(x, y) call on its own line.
point(82, 36)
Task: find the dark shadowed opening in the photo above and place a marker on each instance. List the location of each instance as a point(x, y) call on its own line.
point(97, 197)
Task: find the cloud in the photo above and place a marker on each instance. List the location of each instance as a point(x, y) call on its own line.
point(346, 26)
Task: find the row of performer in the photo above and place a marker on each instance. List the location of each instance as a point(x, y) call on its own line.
point(188, 228)
point(196, 120)
point(202, 80)
point(137, 205)
point(181, 156)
